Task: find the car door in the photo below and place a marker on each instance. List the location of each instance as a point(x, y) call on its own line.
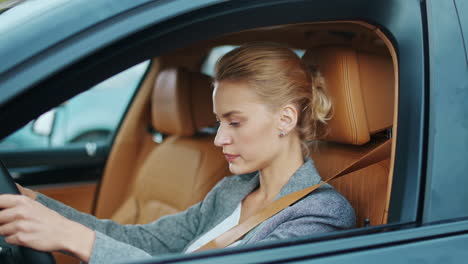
point(161, 26)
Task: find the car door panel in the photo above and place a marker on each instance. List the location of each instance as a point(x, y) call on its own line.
point(448, 123)
point(445, 241)
point(72, 163)
point(79, 196)
point(442, 250)
point(68, 174)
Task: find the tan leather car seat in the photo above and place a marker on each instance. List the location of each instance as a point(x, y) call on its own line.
point(361, 86)
point(186, 165)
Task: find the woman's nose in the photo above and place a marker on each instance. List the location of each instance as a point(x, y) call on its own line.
point(222, 138)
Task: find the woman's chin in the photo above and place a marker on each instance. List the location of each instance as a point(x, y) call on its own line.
point(237, 169)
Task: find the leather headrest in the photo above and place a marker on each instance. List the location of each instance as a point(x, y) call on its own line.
point(361, 86)
point(181, 102)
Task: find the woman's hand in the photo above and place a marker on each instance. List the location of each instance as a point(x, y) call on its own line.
point(25, 222)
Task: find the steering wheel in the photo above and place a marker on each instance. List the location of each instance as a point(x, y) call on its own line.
point(17, 254)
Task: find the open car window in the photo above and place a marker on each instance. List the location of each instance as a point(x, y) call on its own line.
point(90, 117)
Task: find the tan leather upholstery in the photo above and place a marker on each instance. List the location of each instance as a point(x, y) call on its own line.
point(173, 102)
point(181, 170)
point(128, 149)
point(361, 86)
point(366, 189)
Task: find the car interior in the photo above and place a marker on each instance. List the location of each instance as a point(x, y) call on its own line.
point(163, 159)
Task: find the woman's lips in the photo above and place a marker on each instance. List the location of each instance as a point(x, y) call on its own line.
point(230, 157)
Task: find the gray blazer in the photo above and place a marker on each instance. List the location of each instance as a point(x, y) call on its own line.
point(322, 211)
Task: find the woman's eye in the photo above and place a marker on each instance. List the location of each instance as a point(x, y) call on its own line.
point(234, 124)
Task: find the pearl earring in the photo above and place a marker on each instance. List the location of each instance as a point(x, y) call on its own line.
point(282, 133)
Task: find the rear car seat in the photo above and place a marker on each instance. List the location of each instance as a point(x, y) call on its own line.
point(361, 86)
point(186, 165)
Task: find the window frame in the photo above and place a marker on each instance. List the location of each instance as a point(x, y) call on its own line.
point(447, 127)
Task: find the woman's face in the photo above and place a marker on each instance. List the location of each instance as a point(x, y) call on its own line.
point(248, 130)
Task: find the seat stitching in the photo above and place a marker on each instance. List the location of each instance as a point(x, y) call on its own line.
point(350, 113)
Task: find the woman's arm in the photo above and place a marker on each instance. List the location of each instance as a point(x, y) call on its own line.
point(30, 223)
point(169, 234)
point(26, 222)
point(114, 242)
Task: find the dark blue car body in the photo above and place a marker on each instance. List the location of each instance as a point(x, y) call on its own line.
point(428, 215)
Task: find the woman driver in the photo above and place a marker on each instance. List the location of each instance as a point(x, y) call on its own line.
point(269, 107)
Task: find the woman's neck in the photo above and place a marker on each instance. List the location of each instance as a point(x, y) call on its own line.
point(281, 169)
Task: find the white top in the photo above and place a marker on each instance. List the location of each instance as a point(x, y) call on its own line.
point(218, 230)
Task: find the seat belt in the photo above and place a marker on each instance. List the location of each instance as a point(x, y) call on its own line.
point(379, 153)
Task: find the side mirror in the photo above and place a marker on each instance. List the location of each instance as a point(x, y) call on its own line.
point(44, 124)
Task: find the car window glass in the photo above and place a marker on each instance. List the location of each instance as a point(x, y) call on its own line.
point(91, 116)
point(217, 52)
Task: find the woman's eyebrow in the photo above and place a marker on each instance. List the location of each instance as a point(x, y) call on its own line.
point(230, 113)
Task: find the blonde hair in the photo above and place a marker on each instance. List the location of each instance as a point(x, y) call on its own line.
point(279, 77)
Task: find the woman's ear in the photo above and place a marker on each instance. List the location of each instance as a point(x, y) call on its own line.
point(288, 118)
